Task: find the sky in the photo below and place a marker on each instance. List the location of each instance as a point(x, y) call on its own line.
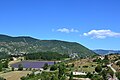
point(92, 23)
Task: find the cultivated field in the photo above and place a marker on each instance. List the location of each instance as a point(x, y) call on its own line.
point(14, 75)
point(84, 65)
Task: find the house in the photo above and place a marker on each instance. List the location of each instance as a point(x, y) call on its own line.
point(79, 73)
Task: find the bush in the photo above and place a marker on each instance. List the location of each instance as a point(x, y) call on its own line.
point(89, 75)
point(23, 78)
point(2, 78)
point(118, 75)
point(13, 68)
point(71, 76)
point(97, 77)
point(98, 69)
point(5, 64)
point(53, 67)
point(45, 66)
point(110, 71)
point(1, 67)
point(118, 63)
point(20, 67)
point(104, 74)
point(72, 65)
point(85, 66)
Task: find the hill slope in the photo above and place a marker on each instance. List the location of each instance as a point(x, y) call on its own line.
point(18, 45)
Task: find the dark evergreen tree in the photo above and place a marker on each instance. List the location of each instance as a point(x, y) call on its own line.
point(71, 76)
point(0, 66)
point(20, 67)
point(53, 67)
point(61, 70)
point(5, 64)
point(1, 78)
point(118, 75)
point(45, 66)
point(118, 63)
point(54, 77)
point(89, 75)
point(13, 68)
point(104, 74)
point(98, 69)
point(110, 71)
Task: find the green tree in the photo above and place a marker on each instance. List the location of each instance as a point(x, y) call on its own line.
point(106, 60)
point(118, 63)
point(0, 66)
point(54, 77)
point(13, 68)
point(45, 66)
point(20, 67)
point(1, 78)
point(61, 70)
point(98, 68)
point(104, 74)
point(106, 57)
point(110, 71)
point(89, 75)
point(72, 65)
point(118, 75)
point(63, 77)
point(5, 64)
point(71, 76)
point(23, 78)
point(53, 67)
point(97, 77)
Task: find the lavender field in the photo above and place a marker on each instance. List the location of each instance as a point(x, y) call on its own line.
point(32, 64)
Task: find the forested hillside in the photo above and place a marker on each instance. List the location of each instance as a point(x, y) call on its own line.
point(25, 45)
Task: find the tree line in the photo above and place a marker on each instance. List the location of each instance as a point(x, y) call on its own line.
point(45, 56)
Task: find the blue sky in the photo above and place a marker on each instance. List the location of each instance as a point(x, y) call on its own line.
point(93, 23)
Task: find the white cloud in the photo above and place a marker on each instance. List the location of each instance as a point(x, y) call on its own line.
point(66, 30)
point(101, 34)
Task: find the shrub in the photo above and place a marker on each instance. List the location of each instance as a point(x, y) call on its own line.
point(45, 66)
point(13, 68)
point(85, 66)
point(53, 67)
point(20, 67)
point(98, 69)
point(118, 63)
point(118, 75)
point(2, 78)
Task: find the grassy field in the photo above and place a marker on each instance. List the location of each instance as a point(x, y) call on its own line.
point(14, 75)
point(84, 65)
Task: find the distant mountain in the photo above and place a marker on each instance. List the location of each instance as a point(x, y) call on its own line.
point(105, 52)
point(23, 44)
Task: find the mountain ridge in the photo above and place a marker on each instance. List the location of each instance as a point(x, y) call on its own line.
point(105, 52)
point(17, 45)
